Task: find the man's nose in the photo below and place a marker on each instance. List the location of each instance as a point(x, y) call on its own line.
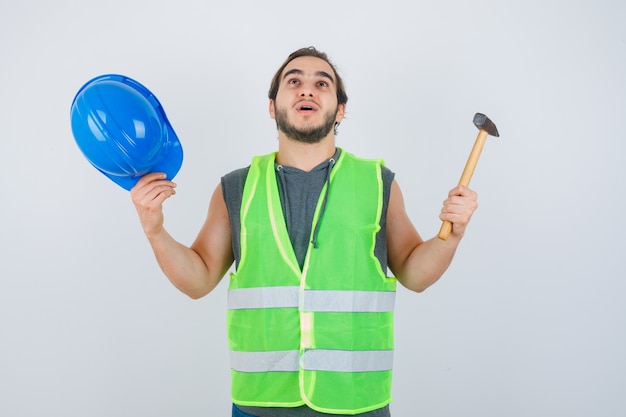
point(306, 90)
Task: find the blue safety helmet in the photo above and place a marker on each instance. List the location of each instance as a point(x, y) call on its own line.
point(122, 130)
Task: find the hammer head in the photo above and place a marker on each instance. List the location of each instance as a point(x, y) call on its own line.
point(483, 123)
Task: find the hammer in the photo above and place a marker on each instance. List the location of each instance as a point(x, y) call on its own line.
point(485, 127)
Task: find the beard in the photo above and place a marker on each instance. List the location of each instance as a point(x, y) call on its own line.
point(309, 134)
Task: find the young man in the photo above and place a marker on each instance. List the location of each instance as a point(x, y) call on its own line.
point(312, 230)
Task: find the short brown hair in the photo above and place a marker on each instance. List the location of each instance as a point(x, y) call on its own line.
point(342, 97)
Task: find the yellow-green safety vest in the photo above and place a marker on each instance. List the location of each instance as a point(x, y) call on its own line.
point(323, 335)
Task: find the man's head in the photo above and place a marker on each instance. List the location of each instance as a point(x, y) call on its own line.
point(342, 97)
point(307, 96)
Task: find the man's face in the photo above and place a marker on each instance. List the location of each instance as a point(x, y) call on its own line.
point(305, 108)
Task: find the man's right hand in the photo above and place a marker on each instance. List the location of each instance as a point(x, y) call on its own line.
point(148, 196)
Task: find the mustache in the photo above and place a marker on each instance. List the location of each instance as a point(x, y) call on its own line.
point(304, 100)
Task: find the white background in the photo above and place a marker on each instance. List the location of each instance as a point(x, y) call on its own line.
point(529, 321)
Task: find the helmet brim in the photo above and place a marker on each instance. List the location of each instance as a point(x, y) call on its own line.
point(170, 164)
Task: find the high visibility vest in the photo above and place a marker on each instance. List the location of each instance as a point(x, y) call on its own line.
point(323, 335)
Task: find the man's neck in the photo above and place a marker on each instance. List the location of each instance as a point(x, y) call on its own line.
point(304, 156)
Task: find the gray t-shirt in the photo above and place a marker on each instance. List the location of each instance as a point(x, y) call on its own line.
point(299, 193)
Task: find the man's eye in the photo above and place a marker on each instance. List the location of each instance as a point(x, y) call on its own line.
point(293, 82)
point(322, 84)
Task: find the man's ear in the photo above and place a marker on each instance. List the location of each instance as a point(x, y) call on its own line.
point(341, 112)
point(272, 110)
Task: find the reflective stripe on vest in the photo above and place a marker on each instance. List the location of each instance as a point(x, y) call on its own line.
point(313, 300)
point(281, 361)
point(263, 297)
point(313, 360)
point(348, 301)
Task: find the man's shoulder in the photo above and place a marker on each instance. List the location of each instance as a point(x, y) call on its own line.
point(232, 185)
point(237, 174)
point(380, 161)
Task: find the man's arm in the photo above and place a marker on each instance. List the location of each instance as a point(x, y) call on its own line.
point(194, 270)
point(416, 263)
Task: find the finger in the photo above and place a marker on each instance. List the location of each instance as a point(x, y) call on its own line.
point(462, 190)
point(464, 201)
point(459, 205)
point(158, 191)
point(154, 192)
point(148, 178)
point(148, 181)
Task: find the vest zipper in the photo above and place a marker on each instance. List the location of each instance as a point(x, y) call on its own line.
point(331, 163)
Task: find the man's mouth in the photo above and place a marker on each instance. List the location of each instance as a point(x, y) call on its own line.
point(306, 107)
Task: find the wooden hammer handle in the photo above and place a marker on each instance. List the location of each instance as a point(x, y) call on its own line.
point(468, 171)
